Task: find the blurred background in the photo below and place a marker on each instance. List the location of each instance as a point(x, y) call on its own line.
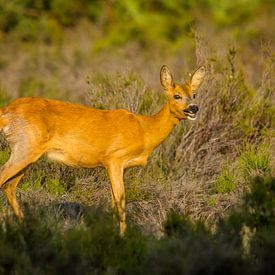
point(49, 47)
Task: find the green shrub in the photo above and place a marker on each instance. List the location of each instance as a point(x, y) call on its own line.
point(263, 250)
point(180, 226)
point(254, 218)
point(190, 248)
point(260, 203)
point(42, 245)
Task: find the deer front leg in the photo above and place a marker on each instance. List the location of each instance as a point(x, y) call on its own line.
point(118, 194)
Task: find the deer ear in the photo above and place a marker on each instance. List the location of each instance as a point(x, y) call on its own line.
point(166, 78)
point(197, 78)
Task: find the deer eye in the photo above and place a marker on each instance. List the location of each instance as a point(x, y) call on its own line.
point(177, 97)
point(194, 96)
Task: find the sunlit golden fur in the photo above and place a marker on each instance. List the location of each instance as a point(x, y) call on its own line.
point(80, 136)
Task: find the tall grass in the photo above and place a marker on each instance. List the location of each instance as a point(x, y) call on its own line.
point(255, 161)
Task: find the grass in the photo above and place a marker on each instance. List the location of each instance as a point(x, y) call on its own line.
point(48, 242)
point(255, 160)
point(134, 192)
point(225, 182)
point(54, 186)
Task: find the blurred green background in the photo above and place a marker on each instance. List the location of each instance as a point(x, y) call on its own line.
point(153, 21)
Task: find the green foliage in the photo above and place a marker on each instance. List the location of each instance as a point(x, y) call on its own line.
point(227, 12)
point(260, 216)
point(54, 186)
point(263, 250)
point(134, 192)
point(225, 182)
point(45, 244)
point(51, 178)
point(212, 202)
point(257, 215)
point(180, 226)
point(255, 160)
point(35, 184)
point(259, 207)
point(147, 22)
point(4, 98)
point(41, 245)
point(190, 248)
point(4, 156)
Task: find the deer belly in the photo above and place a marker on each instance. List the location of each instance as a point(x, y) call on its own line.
point(77, 159)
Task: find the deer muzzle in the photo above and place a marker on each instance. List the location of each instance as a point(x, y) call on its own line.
point(191, 111)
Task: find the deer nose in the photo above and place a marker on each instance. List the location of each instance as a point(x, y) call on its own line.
point(193, 108)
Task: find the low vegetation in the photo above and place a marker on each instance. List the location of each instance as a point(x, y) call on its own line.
point(49, 242)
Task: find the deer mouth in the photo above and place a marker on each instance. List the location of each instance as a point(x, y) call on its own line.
point(191, 111)
point(190, 115)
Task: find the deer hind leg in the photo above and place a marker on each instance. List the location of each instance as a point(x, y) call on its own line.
point(12, 171)
point(9, 189)
point(118, 194)
point(13, 166)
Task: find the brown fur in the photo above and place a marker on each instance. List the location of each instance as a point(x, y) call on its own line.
point(86, 137)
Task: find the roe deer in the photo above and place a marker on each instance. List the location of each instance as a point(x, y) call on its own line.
point(86, 137)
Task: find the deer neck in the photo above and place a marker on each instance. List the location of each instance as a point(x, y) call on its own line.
point(159, 126)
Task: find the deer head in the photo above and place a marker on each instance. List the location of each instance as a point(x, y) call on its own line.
point(181, 97)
